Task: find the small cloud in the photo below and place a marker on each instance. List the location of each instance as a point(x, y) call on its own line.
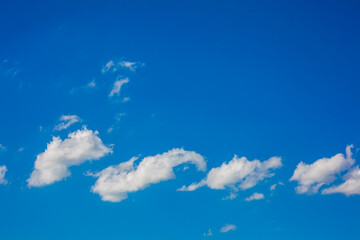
point(117, 86)
point(66, 121)
point(89, 85)
point(20, 149)
point(273, 187)
point(126, 99)
point(107, 66)
point(227, 228)
point(2, 148)
point(9, 68)
point(255, 196)
point(3, 170)
point(92, 84)
point(112, 66)
point(209, 233)
point(132, 66)
point(115, 125)
point(230, 197)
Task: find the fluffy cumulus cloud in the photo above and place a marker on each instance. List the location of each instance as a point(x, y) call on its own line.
point(255, 196)
point(66, 121)
point(3, 170)
point(117, 86)
point(311, 177)
point(53, 164)
point(239, 173)
point(115, 182)
point(227, 228)
point(351, 186)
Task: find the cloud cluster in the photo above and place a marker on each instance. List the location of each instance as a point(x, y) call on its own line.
point(255, 196)
point(227, 228)
point(117, 86)
point(115, 182)
point(66, 121)
point(3, 170)
point(311, 177)
point(53, 164)
point(239, 173)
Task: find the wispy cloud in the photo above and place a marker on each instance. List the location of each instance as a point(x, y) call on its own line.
point(209, 233)
point(108, 66)
point(126, 99)
point(273, 187)
point(9, 68)
point(118, 118)
point(231, 196)
point(112, 66)
point(91, 84)
point(2, 148)
point(66, 121)
point(3, 170)
point(227, 228)
point(117, 87)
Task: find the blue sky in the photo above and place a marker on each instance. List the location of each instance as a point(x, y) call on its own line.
point(179, 120)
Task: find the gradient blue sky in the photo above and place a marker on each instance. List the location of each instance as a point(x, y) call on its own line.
point(252, 78)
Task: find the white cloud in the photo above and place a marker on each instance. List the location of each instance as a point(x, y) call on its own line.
point(126, 99)
point(209, 233)
point(112, 66)
point(109, 65)
point(351, 186)
point(255, 196)
point(3, 170)
point(239, 173)
point(21, 149)
point(92, 84)
point(132, 66)
point(117, 86)
point(66, 121)
point(53, 164)
point(273, 187)
point(230, 197)
point(311, 177)
point(228, 227)
point(115, 182)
